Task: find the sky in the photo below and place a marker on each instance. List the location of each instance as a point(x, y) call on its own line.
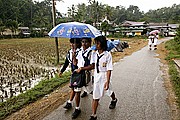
point(144, 5)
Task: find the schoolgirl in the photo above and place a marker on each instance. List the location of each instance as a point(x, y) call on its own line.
point(83, 59)
point(101, 61)
point(75, 44)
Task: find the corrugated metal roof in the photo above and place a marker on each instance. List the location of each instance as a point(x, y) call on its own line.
point(132, 23)
point(23, 28)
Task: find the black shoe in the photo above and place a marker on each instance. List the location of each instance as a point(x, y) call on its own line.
point(68, 106)
point(113, 104)
point(91, 92)
point(93, 118)
point(84, 94)
point(76, 113)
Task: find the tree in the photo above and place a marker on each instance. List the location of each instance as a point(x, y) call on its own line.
point(133, 13)
point(72, 12)
point(12, 25)
point(120, 14)
point(105, 26)
point(2, 27)
point(81, 12)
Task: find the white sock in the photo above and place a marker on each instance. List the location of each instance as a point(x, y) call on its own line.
point(69, 101)
point(77, 108)
point(94, 115)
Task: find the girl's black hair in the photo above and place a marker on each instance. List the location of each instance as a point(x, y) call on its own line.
point(103, 42)
point(89, 39)
point(77, 41)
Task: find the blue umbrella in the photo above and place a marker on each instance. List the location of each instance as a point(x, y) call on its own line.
point(110, 45)
point(74, 30)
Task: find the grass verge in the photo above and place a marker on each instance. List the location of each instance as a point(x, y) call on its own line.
point(174, 53)
point(43, 88)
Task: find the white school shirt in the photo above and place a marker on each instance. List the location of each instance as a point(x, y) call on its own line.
point(156, 39)
point(105, 62)
point(80, 58)
point(70, 54)
point(150, 41)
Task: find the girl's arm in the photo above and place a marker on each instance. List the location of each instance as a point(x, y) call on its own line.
point(89, 67)
point(65, 65)
point(106, 86)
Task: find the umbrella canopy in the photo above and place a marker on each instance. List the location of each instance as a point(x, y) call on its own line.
point(74, 30)
point(110, 45)
point(154, 32)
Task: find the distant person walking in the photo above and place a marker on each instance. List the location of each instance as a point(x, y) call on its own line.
point(156, 37)
point(150, 41)
point(153, 39)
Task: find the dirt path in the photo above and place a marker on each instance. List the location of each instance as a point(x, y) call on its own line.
point(44, 106)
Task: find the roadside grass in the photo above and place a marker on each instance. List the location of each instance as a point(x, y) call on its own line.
point(43, 88)
point(174, 53)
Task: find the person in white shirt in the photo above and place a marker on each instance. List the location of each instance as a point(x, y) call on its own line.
point(101, 61)
point(75, 44)
point(82, 60)
point(151, 41)
point(156, 37)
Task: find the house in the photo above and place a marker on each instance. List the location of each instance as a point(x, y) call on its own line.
point(172, 30)
point(132, 28)
point(24, 31)
point(165, 28)
point(111, 23)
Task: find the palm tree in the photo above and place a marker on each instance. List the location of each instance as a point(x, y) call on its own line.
point(40, 19)
point(12, 25)
point(72, 12)
point(2, 27)
point(105, 26)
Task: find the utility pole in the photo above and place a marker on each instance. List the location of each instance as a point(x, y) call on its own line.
point(54, 24)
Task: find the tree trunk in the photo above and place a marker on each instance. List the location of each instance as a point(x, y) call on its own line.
point(56, 39)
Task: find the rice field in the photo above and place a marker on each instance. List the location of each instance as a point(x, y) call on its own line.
point(24, 62)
